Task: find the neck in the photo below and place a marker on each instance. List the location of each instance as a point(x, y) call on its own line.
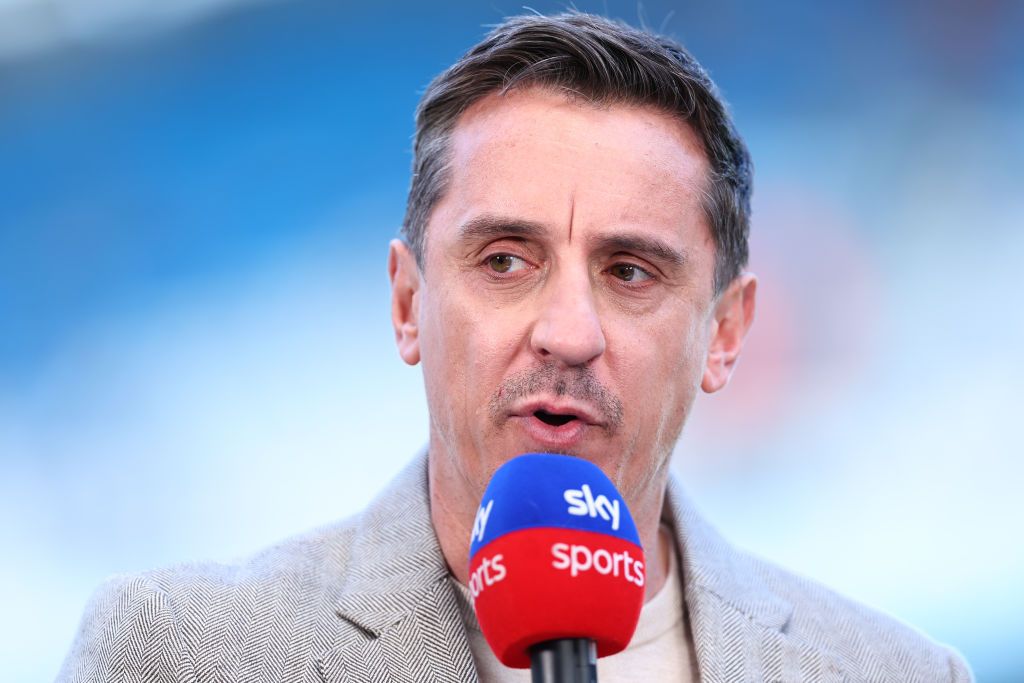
point(656, 545)
point(453, 508)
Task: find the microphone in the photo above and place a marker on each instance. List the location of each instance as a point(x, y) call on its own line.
point(556, 568)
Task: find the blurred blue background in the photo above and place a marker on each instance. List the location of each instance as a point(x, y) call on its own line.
point(195, 353)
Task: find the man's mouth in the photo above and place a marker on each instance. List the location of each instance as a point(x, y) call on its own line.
point(549, 430)
point(554, 419)
point(554, 424)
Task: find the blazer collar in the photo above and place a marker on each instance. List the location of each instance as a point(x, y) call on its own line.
point(398, 595)
point(407, 626)
point(740, 625)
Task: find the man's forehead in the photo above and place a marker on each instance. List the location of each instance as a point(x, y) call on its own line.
point(549, 159)
point(505, 119)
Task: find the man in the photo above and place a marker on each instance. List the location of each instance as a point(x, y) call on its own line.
point(572, 273)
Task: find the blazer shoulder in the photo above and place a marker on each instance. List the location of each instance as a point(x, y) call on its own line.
point(182, 622)
point(128, 628)
point(871, 644)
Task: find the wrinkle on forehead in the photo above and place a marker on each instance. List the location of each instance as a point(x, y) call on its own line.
point(572, 212)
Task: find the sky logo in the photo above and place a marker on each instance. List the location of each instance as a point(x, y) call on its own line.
point(480, 522)
point(582, 503)
point(541, 490)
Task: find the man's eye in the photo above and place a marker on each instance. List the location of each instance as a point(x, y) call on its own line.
point(629, 273)
point(505, 263)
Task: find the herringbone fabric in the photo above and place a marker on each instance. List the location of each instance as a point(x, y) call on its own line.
point(368, 599)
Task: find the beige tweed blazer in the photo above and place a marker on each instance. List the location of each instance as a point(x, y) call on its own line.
point(368, 599)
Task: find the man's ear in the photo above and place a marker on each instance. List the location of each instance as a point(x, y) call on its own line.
point(734, 313)
point(405, 286)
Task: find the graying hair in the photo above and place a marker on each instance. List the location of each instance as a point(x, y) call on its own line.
point(604, 62)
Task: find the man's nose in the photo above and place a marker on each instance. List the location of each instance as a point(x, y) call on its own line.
point(568, 328)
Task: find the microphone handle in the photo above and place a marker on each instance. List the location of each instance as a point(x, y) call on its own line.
point(566, 660)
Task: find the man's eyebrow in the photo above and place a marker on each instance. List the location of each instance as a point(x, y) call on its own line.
point(489, 227)
point(644, 246)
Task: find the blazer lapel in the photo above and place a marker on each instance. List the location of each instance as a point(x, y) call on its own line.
point(403, 620)
point(739, 624)
point(402, 610)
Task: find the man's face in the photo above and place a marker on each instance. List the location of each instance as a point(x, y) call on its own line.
point(566, 301)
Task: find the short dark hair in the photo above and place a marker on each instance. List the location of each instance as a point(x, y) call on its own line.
point(605, 62)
